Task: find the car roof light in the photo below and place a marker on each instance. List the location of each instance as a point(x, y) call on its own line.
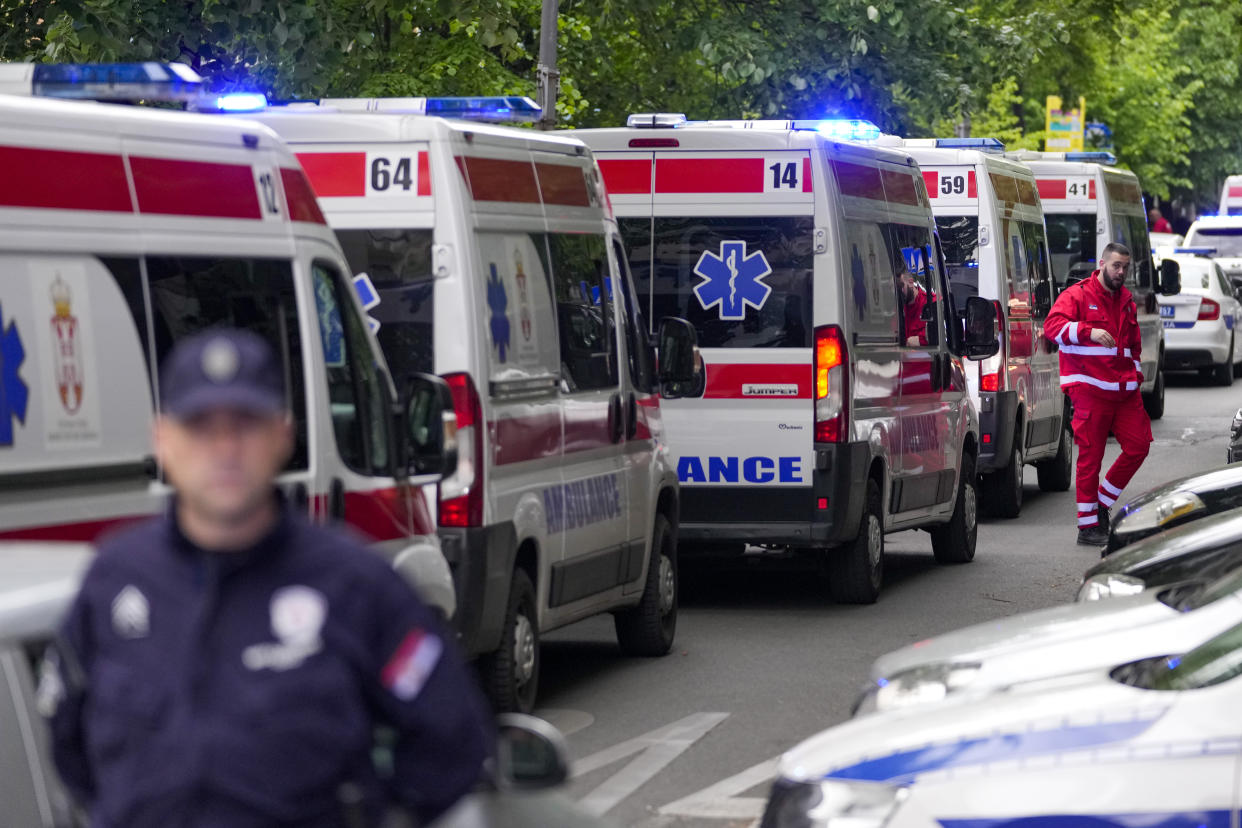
point(116, 81)
point(656, 120)
point(1195, 251)
point(842, 129)
point(497, 108)
point(1097, 157)
point(984, 144)
point(241, 102)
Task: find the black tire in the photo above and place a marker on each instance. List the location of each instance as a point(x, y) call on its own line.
point(1056, 474)
point(856, 569)
point(954, 542)
point(1222, 374)
point(648, 628)
point(1154, 402)
point(510, 675)
point(1002, 489)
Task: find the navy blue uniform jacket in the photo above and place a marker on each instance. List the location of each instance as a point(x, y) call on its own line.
point(244, 689)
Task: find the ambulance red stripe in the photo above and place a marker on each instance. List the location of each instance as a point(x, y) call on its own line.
point(424, 173)
point(627, 176)
point(972, 186)
point(563, 184)
point(174, 187)
point(1051, 187)
point(337, 174)
point(84, 180)
point(533, 437)
point(303, 206)
point(709, 175)
point(806, 175)
point(1235, 192)
point(85, 531)
point(931, 180)
point(727, 381)
point(498, 179)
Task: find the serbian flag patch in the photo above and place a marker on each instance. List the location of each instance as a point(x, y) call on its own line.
point(411, 664)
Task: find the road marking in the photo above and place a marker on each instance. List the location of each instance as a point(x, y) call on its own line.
point(721, 801)
point(566, 721)
point(652, 753)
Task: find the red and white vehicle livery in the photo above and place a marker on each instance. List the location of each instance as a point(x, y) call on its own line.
point(831, 413)
point(992, 231)
point(491, 258)
point(1231, 196)
point(123, 230)
point(1087, 204)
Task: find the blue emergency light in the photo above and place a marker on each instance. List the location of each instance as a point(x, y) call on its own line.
point(842, 129)
point(241, 102)
point(1195, 251)
point(489, 108)
point(982, 144)
point(1098, 157)
point(116, 81)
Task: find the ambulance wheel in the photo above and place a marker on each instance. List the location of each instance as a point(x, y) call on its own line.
point(648, 629)
point(1154, 402)
point(1057, 473)
point(1002, 490)
point(1223, 374)
point(954, 542)
point(510, 675)
point(856, 570)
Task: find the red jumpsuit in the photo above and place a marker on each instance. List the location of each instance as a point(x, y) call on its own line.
point(912, 315)
point(1104, 386)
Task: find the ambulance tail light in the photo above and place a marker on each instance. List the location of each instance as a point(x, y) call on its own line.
point(1209, 310)
point(461, 494)
point(832, 392)
point(992, 370)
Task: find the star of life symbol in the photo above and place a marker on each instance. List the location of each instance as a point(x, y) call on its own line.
point(14, 393)
point(732, 280)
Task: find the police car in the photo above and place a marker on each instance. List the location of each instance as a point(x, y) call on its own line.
point(1200, 321)
point(1087, 204)
point(991, 229)
point(124, 230)
point(1155, 741)
point(995, 656)
point(1223, 236)
point(834, 407)
point(488, 255)
point(1179, 501)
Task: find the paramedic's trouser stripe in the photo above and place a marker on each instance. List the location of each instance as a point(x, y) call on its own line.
point(1095, 416)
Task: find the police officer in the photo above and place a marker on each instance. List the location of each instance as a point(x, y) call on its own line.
point(228, 663)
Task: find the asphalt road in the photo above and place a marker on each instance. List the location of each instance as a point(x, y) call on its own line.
point(764, 659)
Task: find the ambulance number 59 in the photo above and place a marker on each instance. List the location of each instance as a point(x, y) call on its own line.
point(952, 184)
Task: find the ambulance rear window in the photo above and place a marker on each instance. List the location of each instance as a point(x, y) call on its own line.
point(959, 240)
point(399, 264)
point(742, 281)
point(1071, 243)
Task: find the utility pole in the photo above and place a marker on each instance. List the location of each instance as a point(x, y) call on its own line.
point(549, 79)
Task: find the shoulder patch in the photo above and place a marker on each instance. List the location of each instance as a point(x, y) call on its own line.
point(411, 664)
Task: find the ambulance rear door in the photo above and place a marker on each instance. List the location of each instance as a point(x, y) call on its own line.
point(1075, 229)
point(728, 244)
point(1231, 196)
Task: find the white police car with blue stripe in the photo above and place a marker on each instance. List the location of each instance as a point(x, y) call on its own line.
point(1155, 742)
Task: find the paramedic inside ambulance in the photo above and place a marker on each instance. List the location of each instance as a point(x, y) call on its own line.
point(913, 298)
point(1095, 322)
point(228, 662)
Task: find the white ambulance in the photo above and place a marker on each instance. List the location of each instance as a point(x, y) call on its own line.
point(1231, 196)
point(834, 407)
point(491, 259)
point(1087, 204)
point(992, 231)
point(124, 230)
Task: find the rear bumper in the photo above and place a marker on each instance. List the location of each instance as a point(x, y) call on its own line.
point(481, 560)
point(998, 412)
point(1182, 359)
point(784, 515)
point(1207, 343)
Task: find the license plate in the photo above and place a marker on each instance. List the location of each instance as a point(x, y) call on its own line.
point(1166, 311)
point(1170, 324)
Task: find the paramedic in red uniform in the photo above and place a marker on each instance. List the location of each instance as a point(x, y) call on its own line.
point(913, 300)
point(1095, 322)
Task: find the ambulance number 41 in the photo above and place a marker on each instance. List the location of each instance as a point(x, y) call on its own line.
point(390, 172)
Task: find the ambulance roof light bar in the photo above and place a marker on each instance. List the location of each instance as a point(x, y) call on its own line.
point(656, 120)
point(498, 108)
point(103, 81)
point(983, 144)
point(1194, 251)
point(1097, 157)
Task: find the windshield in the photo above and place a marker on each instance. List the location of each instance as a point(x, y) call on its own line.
point(1191, 597)
point(1216, 661)
point(959, 241)
point(1071, 242)
point(1226, 240)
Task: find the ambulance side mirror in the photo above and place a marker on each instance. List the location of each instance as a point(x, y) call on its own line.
point(1170, 278)
point(981, 340)
point(530, 754)
point(427, 427)
point(681, 368)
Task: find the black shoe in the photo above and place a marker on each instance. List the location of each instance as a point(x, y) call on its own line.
point(1093, 536)
point(1105, 522)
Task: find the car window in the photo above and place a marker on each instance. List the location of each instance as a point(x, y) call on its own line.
point(1216, 661)
point(1202, 595)
point(959, 238)
point(583, 293)
point(1226, 240)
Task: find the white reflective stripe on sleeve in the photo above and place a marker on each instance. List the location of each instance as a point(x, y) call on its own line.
point(1098, 383)
point(1087, 507)
point(1138, 366)
point(1128, 353)
point(1072, 332)
point(1107, 499)
point(1109, 487)
point(1130, 386)
point(1088, 350)
point(1088, 521)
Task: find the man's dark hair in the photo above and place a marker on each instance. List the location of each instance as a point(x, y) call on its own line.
point(1115, 247)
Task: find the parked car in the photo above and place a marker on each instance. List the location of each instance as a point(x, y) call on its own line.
point(37, 583)
point(1206, 548)
point(1179, 502)
point(1200, 322)
point(1234, 453)
point(1148, 742)
point(995, 656)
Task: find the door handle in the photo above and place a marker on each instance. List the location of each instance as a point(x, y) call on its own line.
point(616, 418)
point(631, 416)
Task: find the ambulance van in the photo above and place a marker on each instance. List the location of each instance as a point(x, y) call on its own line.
point(1231, 196)
point(992, 231)
point(834, 407)
point(491, 259)
point(1087, 204)
point(124, 230)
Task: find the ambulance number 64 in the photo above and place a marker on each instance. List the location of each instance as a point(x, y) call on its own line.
point(389, 174)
